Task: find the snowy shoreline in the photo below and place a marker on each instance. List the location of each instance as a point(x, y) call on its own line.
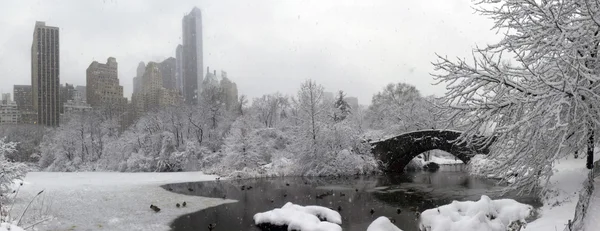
point(108, 200)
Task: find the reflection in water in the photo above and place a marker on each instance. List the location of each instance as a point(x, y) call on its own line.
point(356, 196)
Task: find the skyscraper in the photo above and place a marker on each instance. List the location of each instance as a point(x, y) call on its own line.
point(103, 89)
point(192, 68)
point(137, 80)
point(167, 70)
point(45, 74)
point(6, 98)
point(178, 68)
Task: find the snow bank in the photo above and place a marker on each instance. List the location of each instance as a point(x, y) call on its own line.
point(564, 189)
point(444, 160)
point(108, 200)
point(382, 224)
point(297, 217)
point(9, 227)
point(485, 214)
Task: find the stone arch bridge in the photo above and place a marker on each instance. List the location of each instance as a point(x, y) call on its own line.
point(396, 152)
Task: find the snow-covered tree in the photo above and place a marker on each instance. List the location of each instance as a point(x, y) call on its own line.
point(399, 108)
point(28, 138)
point(342, 108)
point(311, 110)
point(537, 87)
point(268, 108)
point(11, 171)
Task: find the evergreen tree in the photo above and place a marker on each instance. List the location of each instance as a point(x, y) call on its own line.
point(342, 108)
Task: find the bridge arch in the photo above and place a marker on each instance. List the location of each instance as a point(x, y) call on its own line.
point(396, 152)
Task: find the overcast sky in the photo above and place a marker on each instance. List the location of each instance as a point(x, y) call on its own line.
point(265, 46)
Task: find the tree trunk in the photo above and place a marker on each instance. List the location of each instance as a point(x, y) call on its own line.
point(590, 149)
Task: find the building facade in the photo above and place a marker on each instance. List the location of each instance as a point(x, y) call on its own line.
point(102, 87)
point(9, 113)
point(6, 98)
point(230, 92)
point(45, 74)
point(168, 72)
point(80, 94)
point(178, 68)
point(151, 87)
point(137, 80)
point(74, 106)
point(153, 96)
point(23, 95)
point(192, 59)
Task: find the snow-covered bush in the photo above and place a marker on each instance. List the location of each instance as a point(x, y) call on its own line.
point(28, 138)
point(485, 214)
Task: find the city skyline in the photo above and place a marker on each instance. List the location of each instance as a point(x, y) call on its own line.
point(281, 44)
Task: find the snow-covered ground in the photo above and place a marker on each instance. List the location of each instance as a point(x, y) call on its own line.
point(108, 200)
point(566, 183)
point(485, 214)
point(592, 219)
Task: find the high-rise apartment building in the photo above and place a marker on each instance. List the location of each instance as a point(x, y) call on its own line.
point(153, 95)
point(151, 86)
point(6, 98)
point(192, 55)
point(45, 74)
point(103, 89)
point(230, 91)
point(167, 70)
point(23, 95)
point(137, 80)
point(178, 68)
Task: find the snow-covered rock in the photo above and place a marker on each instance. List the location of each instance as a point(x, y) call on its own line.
point(303, 218)
point(10, 227)
point(382, 224)
point(485, 214)
point(321, 212)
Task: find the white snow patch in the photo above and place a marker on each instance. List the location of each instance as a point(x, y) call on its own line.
point(109, 200)
point(566, 183)
point(592, 218)
point(382, 224)
point(9, 227)
point(444, 161)
point(485, 214)
point(303, 218)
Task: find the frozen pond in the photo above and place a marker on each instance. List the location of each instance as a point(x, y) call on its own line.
point(356, 196)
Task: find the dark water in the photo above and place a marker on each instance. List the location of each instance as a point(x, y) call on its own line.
point(356, 196)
